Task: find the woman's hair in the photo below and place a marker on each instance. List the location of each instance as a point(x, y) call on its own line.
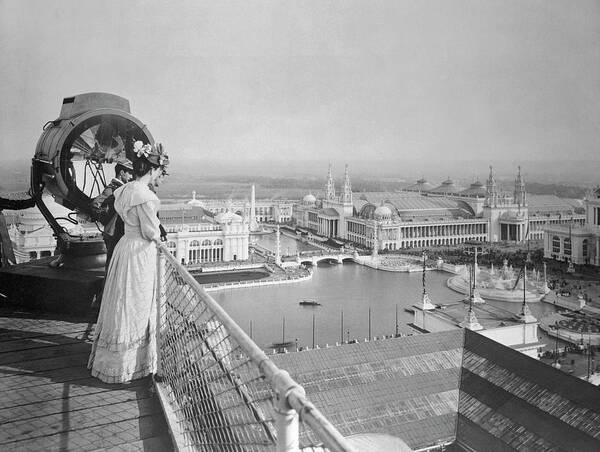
point(141, 167)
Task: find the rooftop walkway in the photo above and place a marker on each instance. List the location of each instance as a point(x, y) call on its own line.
point(50, 402)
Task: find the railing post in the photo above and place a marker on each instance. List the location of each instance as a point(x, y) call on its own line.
point(160, 296)
point(287, 421)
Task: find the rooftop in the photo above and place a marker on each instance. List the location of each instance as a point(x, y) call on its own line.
point(455, 386)
point(489, 316)
point(50, 401)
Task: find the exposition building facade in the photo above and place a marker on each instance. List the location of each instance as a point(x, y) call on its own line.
point(577, 243)
point(194, 235)
point(424, 215)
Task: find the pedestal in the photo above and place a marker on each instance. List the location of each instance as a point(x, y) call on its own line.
point(37, 286)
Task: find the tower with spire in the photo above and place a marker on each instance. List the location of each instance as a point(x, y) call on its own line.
point(507, 212)
point(491, 198)
point(347, 194)
point(330, 187)
point(519, 195)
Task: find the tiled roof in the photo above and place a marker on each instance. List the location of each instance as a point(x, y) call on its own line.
point(551, 203)
point(515, 401)
point(408, 202)
point(451, 386)
point(405, 387)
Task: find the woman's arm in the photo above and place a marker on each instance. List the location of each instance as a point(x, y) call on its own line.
point(149, 223)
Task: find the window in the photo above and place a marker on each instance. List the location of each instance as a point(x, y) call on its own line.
point(584, 248)
point(172, 247)
point(567, 246)
point(555, 244)
point(194, 252)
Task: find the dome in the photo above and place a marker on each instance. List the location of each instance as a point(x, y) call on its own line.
point(447, 187)
point(309, 199)
point(194, 202)
point(383, 213)
point(476, 190)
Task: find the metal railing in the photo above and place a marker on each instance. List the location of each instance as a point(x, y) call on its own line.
point(219, 390)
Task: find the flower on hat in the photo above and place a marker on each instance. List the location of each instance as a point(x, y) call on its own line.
point(141, 149)
point(163, 157)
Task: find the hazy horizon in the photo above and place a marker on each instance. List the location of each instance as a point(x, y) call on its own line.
point(566, 172)
point(366, 83)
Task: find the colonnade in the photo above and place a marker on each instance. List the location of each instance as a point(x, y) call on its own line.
point(443, 230)
point(328, 228)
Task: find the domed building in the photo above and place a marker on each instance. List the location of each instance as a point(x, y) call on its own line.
point(420, 186)
point(309, 200)
point(196, 236)
point(327, 217)
point(422, 216)
point(448, 187)
point(475, 190)
point(194, 202)
point(383, 213)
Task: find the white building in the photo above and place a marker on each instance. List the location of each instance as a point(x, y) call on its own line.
point(426, 216)
point(196, 236)
point(577, 243)
point(265, 211)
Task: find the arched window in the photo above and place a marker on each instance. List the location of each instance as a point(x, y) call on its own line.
point(218, 242)
point(172, 247)
point(556, 244)
point(567, 247)
point(194, 252)
point(206, 243)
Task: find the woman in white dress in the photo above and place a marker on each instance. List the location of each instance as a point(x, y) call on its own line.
point(124, 346)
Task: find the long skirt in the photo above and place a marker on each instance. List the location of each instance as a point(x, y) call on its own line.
point(124, 346)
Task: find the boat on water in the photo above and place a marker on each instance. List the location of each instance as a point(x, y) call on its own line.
point(309, 302)
point(281, 345)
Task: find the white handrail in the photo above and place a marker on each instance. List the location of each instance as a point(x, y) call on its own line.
point(290, 398)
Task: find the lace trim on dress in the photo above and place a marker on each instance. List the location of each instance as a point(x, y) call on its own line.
point(123, 372)
point(122, 346)
point(112, 375)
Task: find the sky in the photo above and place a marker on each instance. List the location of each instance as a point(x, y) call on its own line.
point(396, 82)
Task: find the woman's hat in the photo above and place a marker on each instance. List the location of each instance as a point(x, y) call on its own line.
point(155, 154)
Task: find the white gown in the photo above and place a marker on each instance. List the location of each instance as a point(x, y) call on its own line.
point(124, 346)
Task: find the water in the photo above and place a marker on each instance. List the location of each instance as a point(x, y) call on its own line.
point(351, 288)
point(289, 246)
